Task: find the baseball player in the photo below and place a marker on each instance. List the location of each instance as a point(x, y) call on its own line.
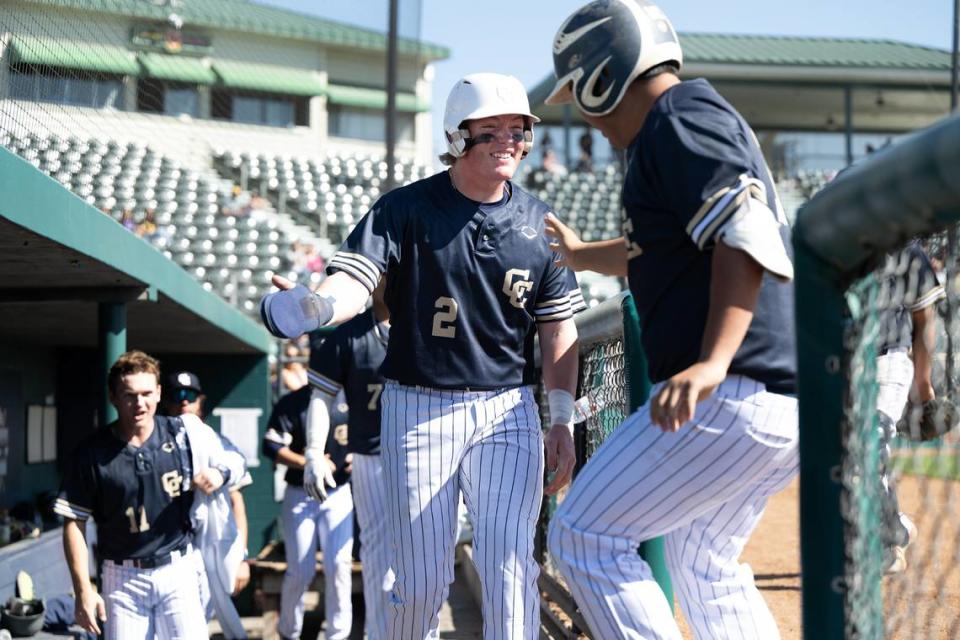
point(469, 276)
point(349, 361)
point(307, 521)
point(707, 253)
point(220, 519)
point(136, 478)
point(909, 290)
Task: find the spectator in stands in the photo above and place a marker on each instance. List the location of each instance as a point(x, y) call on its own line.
point(147, 228)
point(585, 163)
point(128, 221)
point(259, 203)
point(294, 373)
point(551, 164)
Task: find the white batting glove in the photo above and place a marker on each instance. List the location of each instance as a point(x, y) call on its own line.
point(317, 475)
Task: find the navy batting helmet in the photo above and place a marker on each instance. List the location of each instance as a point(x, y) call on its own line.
point(603, 47)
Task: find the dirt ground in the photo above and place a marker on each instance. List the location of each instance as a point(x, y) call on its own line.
point(923, 602)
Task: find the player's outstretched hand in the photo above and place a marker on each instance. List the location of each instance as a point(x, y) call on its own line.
point(294, 310)
point(208, 480)
point(90, 611)
point(317, 475)
point(675, 403)
point(560, 457)
point(564, 241)
point(282, 283)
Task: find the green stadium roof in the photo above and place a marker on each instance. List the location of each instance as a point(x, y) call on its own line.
point(250, 17)
point(712, 48)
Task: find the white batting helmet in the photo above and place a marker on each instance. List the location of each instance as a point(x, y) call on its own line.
point(481, 95)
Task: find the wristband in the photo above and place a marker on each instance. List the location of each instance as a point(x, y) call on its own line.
point(560, 403)
point(224, 471)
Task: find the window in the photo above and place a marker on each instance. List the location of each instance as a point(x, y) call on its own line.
point(41, 433)
point(169, 98)
point(66, 86)
point(367, 124)
point(259, 108)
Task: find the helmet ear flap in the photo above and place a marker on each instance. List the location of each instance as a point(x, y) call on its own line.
point(527, 141)
point(457, 142)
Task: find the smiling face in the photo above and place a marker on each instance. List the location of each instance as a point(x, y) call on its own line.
point(497, 154)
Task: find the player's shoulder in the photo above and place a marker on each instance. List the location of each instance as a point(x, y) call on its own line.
point(410, 198)
point(98, 442)
point(693, 115)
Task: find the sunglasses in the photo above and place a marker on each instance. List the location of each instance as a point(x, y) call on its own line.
point(190, 395)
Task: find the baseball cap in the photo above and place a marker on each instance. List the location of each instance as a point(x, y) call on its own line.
point(183, 380)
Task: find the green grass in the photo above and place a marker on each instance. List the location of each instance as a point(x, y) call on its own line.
point(928, 465)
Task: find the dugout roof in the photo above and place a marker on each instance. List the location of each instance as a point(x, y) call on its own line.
point(60, 257)
point(801, 84)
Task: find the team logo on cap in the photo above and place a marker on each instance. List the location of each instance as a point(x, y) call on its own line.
point(184, 379)
point(516, 286)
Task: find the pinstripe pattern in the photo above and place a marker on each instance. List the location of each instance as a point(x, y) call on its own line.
point(305, 523)
point(370, 501)
point(155, 603)
point(894, 378)
point(704, 488)
point(488, 444)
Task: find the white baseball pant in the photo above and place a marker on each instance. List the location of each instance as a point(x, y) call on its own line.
point(217, 603)
point(894, 378)
point(306, 523)
point(704, 488)
point(163, 602)
point(487, 444)
point(370, 501)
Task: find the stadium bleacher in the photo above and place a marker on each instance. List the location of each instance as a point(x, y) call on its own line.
point(231, 255)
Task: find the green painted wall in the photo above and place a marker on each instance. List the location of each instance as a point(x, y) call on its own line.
point(31, 368)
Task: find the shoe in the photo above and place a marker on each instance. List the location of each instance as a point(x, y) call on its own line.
point(910, 529)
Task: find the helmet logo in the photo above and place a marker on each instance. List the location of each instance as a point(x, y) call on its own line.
point(574, 61)
point(564, 40)
point(586, 94)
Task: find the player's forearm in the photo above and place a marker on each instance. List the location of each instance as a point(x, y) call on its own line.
point(75, 551)
point(923, 342)
point(291, 459)
point(347, 295)
point(734, 288)
point(558, 350)
point(608, 257)
point(318, 419)
point(239, 515)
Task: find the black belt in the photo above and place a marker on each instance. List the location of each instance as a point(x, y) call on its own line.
point(154, 561)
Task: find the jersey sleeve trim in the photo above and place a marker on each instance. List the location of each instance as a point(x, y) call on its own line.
point(577, 303)
point(358, 266)
point(323, 383)
point(553, 310)
point(71, 511)
point(720, 207)
point(929, 298)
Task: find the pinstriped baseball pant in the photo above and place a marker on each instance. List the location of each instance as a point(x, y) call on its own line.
point(704, 488)
point(370, 502)
point(437, 443)
point(159, 603)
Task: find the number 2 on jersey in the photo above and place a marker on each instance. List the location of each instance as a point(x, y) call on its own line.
point(443, 319)
point(144, 525)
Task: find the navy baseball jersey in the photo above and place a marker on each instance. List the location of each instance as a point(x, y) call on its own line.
point(287, 427)
point(908, 283)
point(689, 170)
point(467, 281)
point(140, 497)
point(349, 360)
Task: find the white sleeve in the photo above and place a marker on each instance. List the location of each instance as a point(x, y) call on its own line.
point(755, 229)
point(318, 419)
point(208, 451)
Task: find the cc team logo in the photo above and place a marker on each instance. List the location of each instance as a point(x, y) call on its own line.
point(171, 483)
point(516, 286)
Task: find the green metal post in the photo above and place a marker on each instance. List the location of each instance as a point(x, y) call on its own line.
point(819, 312)
point(652, 550)
point(112, 342)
